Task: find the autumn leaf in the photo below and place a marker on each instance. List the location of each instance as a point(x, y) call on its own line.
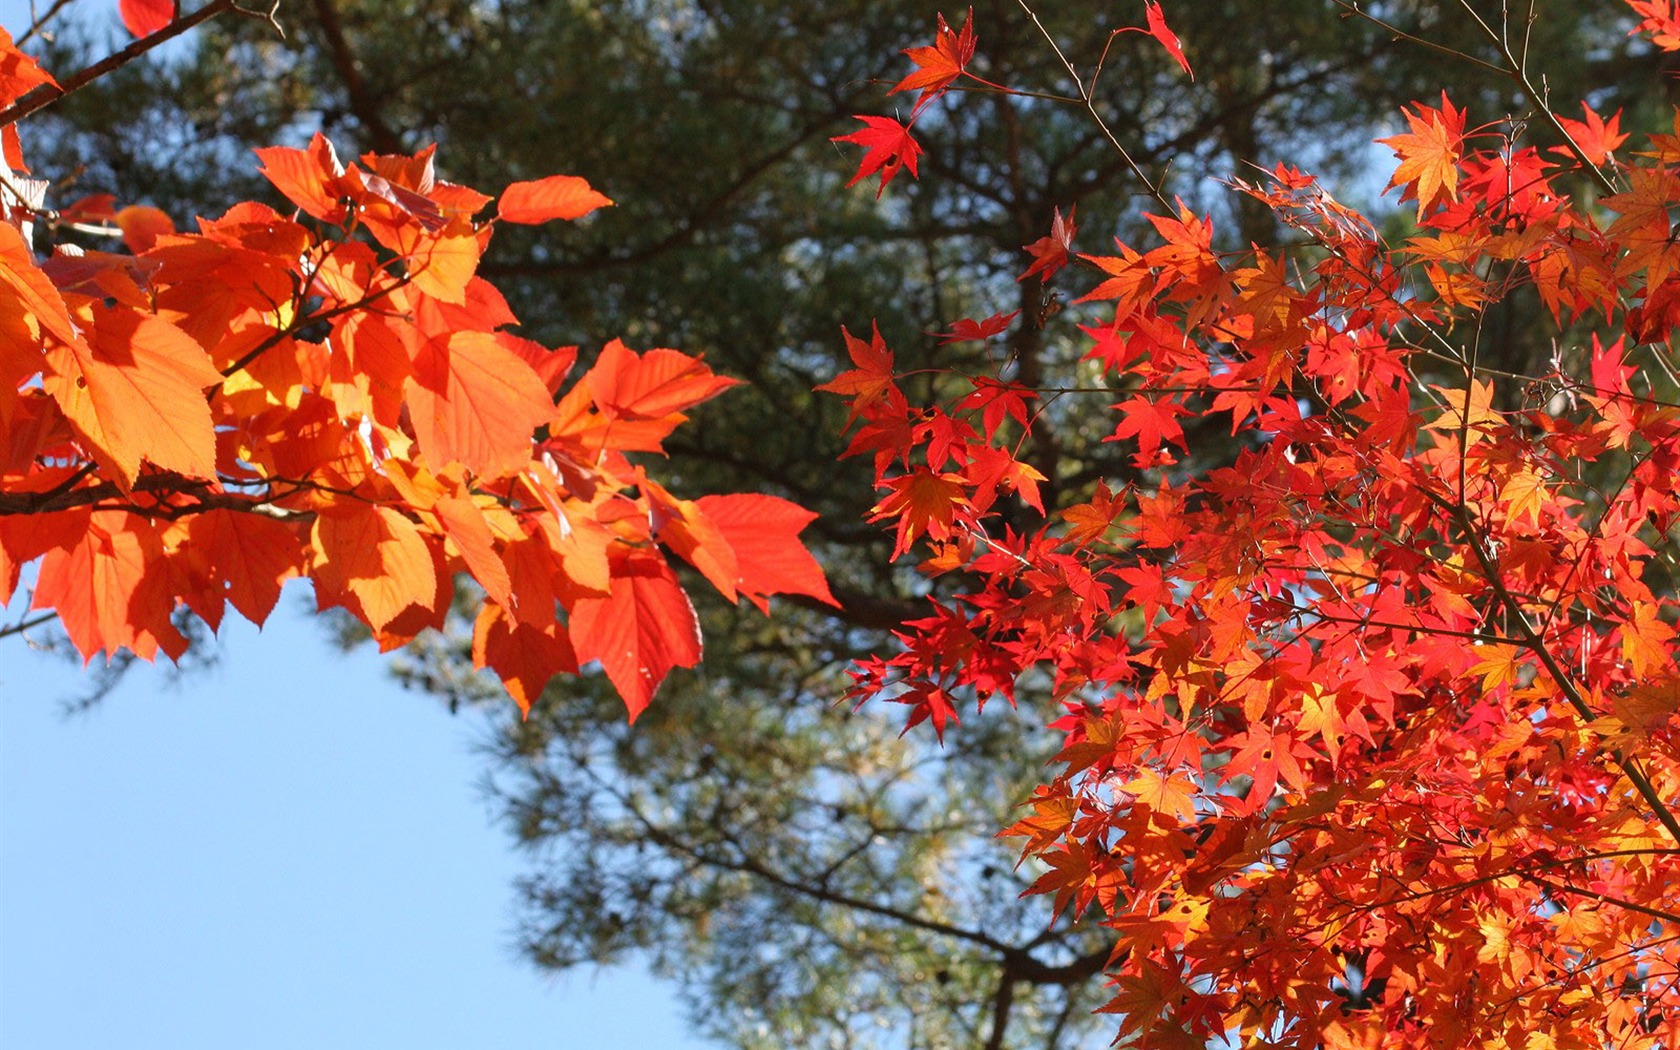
point(18, 73)
point(939, 64)
point(145, 17)
point(136, 390)
point(922, 503)
point(311, 178)
point(475, 403)
point(1596, 137)
point(1172, 796)
point(1659, 19)
point(1429, 155)
point(970, 329)
point(653, 385)
point(109, 583)
point(556, 197)
point(1469, 411)
point(465, 524)
point(872, 379)
point(1150, 422)
point(372, 560)
point(1156, 26)
point(888, 149)
point(685, 529)
point(523, 656)
point(639, 631)
point(242, 556)
point(763, 531)
point(1050, 253)
point(1089, 521)
point(1645, 640)
point(141, 226)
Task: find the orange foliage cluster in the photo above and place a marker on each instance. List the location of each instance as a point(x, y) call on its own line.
point(329, 391)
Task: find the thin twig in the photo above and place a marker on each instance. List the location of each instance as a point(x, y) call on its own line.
point(46, 94)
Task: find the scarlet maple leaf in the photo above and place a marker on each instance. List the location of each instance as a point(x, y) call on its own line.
point(968, 328)
point(872, 379)
point(940, 64)
point(1596, 137)
point(927, 703)
point(888, 149)
point(1659, 18)
point(923, 503)
point(1150, 421)
point(1157, 28)
point(1050, 253)
point(1429, 155)
point(996, 399)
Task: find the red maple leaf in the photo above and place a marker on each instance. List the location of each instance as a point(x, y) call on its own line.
point(872, 379)
point(1150, 421)
point(888, 149)
point(1596, 137)
point(1157, 28)
point(941, 63)
point(968, 328)
point(1661, 19)
point(924, 503)
point(1050, 253)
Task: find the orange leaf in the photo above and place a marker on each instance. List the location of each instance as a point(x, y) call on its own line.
point(872, 378)
point(687, 530)
point(137, 393)
point(309, 178)
point(524, 657)
point(941, 63)
point(442, 263)
point(923, 502)
point(764, 533)
point(371, 560)
point(1156, 26)
point(1429, 155)
point(1645, 639)
point(40, 299)
point(110, 585)
point(242, 557)
point(474, 402)
point(18, 73)
point(644, 627)
point(651, 385)
point(556, 197)
point(1173, 796)
point(141, 226)
point(463, 522)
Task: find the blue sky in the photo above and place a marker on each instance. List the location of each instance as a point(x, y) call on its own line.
point(288, 851)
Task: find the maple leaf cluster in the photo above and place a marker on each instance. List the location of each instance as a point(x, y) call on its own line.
point(1369, 720)
point(330, 392)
